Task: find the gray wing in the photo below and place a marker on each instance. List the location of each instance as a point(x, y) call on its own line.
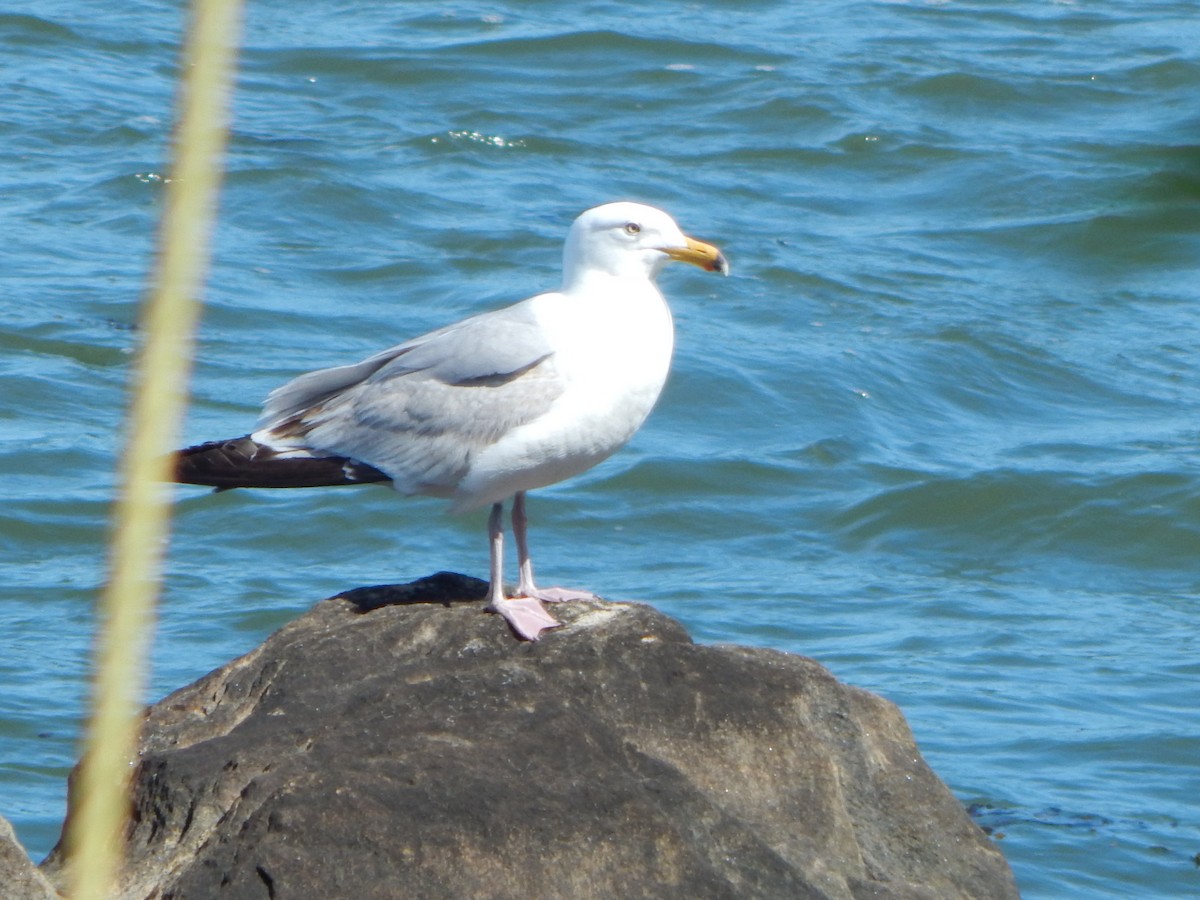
point(421, 410)
point(492, 343)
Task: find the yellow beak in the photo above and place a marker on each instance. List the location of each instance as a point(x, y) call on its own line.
point(698, 253)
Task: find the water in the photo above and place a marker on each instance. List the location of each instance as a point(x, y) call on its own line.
point(939, 431)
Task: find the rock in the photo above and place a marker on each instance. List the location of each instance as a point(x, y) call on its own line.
point(391, 743)
point(19, 878)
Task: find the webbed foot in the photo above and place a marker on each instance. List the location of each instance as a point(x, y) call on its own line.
point(526, 615)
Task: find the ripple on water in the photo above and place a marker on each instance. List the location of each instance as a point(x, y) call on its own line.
point(938, 431)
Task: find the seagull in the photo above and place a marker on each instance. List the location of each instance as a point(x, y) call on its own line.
point(482, 411)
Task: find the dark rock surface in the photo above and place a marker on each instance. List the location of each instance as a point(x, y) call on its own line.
point(19, 878)
point(391, 743)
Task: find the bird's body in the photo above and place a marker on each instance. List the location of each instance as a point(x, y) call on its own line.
point(493, 406)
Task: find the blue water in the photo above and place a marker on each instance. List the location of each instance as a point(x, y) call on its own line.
point(939, 431)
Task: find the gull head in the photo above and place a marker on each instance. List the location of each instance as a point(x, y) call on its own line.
point(631, 240)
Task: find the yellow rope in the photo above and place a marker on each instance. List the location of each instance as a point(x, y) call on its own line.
point(100, 802)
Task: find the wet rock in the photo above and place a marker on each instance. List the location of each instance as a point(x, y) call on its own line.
point(396, 742)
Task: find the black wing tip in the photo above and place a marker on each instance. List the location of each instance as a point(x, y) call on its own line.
point(245, 463)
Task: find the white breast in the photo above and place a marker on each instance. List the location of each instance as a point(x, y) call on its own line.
point(612, 351)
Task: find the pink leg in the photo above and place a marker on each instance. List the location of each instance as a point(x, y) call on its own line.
point(525, 614)
point(525, 584)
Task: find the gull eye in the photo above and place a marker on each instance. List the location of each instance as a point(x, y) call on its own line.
point(632, 228)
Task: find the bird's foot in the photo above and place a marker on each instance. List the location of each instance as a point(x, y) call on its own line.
point(556, 594)
point(526, 615)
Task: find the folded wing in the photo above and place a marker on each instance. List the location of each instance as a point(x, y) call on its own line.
point(420, 411)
